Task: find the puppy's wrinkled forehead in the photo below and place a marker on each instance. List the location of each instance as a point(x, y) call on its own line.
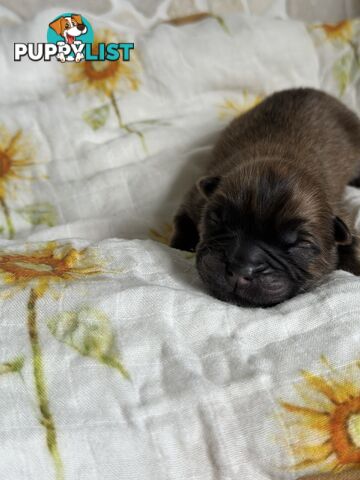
point(264, 194)
point(269, 196)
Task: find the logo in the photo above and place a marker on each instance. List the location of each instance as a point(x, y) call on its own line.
point(70, 38)
point(70, 32)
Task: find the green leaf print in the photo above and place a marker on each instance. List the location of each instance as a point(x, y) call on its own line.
point(89, 332)
point(344, 70)
point(97, 117)
point(39, 213)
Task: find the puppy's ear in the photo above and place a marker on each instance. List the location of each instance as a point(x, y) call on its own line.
point(341, 232)
point(207, 185)
point(77, 18)
point(56, 25)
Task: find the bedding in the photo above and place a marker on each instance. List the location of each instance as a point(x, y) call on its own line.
point(114, 361)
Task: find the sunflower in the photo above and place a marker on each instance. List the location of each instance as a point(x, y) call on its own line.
point(51, 263)
point(16, 158)
point(106, 76)
point(38, 269)
point(342, 31)
point(327, 425)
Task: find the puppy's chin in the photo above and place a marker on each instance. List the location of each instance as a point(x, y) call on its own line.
point(262, 291)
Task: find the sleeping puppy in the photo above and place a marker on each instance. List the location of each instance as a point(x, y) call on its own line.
point(267, 221)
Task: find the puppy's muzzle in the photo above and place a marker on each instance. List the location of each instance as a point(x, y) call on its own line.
point(243, 275)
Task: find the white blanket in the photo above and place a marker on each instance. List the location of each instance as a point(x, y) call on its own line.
point(115, 364)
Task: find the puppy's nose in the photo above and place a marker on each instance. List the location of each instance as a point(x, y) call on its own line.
point(245, 274)
point(81, 27)
point(243, 281)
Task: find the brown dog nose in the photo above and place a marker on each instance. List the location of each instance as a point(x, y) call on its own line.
point(81, 27)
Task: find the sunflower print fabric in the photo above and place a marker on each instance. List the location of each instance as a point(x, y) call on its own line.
point(39, 272)
point(18, 162)
point(107, 80)
point(330, 416)
point(338, 44)
point(115, 363)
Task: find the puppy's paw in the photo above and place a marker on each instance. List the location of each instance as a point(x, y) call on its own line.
point(185, 236)
point(349, 260)
point(180, 242)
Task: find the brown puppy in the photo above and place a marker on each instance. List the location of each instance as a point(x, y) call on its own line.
point(267, 221)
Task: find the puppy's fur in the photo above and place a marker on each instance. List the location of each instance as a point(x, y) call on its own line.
point(268, 220)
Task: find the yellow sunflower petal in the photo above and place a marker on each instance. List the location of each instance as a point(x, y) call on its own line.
point(313, 453)
point(312, 418)
point(320, 385)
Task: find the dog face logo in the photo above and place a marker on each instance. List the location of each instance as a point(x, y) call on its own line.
point(70, 29)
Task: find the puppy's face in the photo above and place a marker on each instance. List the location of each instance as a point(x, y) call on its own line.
point(265, 235)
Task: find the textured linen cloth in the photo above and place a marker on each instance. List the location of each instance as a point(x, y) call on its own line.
point(115, 364)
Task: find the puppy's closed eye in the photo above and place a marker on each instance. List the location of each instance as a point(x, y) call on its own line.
point(297, 239)
point(305, 244)
point(289, 238)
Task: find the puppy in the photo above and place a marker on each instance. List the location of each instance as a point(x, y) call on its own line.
point(69, 28)
point(267, 221)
